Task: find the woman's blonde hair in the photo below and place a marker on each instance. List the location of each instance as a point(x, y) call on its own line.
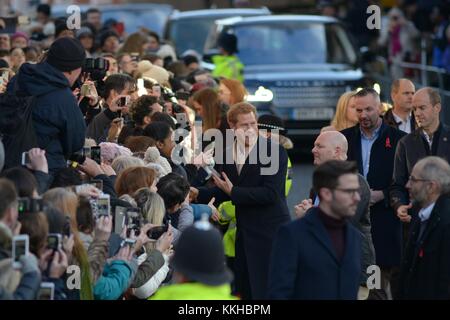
point(340, 121)
point(123, 162)
point(153, 209)
point(237, 89)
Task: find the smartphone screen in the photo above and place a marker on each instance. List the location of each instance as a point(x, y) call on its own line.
point(46, 291)
point(103, 206)
point(119, 219)
point(96, 154)
point(25, 158)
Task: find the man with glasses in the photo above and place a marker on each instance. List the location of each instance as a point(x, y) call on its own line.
point(432, 138)
point(425, 272)
point(372, 143)
point(332, 145)
point(318, 257)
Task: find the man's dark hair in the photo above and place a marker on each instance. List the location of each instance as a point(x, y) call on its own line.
point(45, 9)
point(365, 92)
point(164, 117)
point(92, 10)
point(157, 130)
point(142, 108)
point(173, 188)
point(66, 177)
point(24, 181)
point(85, 218)
point(118, 82)
point(327, 174)
point(154, 35)
point(8, 196)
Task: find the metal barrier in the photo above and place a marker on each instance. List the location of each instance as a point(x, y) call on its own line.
point(429, 76)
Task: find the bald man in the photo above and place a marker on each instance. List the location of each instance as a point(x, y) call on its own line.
point(401, 116)
point(332, 145)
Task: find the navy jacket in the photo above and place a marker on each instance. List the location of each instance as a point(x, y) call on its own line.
point(261, 208)
point(425, 272)
point(304, 265)
point(386, 227)
point(58, 121)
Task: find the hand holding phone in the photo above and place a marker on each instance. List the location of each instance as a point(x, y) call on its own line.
point(20, 247)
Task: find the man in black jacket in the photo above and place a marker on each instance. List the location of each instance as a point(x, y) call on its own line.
point(253, 178)
point(431, 138)
point(372, 143)
point(425, 272)
point(57, 119)
point(401, 116)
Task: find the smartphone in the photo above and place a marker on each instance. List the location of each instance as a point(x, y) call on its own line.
point(54, 241)
point(97, 183)
point(133, 221)
point(5, 75)
point(124, 101)
point(25, 158)
point(20, 247)
point(87, 152)
point(85, 90)
point(96, 154)
point(156, 232)
point(119, 219)
point(46, 291)
point(128, 242)
point(103, 205)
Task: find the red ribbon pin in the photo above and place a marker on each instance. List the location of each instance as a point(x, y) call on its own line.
point(421, 253)
point(388, 143)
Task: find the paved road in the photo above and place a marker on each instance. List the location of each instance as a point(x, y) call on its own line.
point(302, 179)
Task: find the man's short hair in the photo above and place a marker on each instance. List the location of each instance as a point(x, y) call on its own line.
point(8, 196)
point(367, 91)
point(239, 108)
point(327, 174)
point(173, 188)
point(434, 96)
point(118, 82)
point(157, 130)
point(92, 10)
point(436, 169)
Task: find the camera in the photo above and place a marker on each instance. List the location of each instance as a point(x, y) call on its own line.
point(96, 68)
point(96, 154)
point(30, 205)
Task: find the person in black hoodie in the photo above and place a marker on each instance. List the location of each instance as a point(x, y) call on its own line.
point(57, 119)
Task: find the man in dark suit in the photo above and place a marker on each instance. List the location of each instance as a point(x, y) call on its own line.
point(401, 116)
point(372, 143)
point(319, 256)
point(431, 138)
point(257, 189)
point(332, 145)
point(425, 272)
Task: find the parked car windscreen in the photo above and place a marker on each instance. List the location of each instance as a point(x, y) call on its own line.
point(190, 33)
point(293, 43)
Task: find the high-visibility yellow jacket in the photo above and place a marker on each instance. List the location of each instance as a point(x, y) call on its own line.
point(228, 67)
point(228, 215)
point(193, 291)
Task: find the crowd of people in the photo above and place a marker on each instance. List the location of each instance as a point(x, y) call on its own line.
point(110, 189)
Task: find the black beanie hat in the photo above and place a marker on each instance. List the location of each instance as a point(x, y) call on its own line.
point(105, 35)
point(228, 42)
point(66, 54)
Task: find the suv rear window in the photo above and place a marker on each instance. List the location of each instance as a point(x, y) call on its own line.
point(293, 43)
